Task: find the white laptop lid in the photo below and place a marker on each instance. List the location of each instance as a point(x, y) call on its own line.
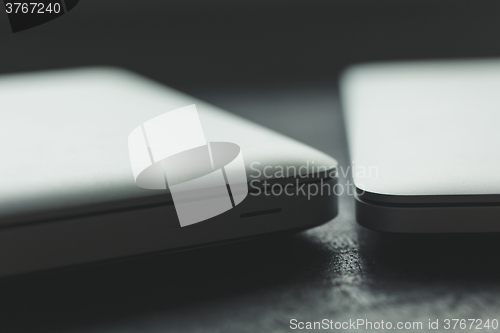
point(425, 131)
point(64, 141)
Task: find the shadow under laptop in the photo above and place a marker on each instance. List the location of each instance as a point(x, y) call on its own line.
point(466, 258)
point(79, 297)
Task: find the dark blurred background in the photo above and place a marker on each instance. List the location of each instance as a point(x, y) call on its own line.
point(186, 42)
point(275, 62)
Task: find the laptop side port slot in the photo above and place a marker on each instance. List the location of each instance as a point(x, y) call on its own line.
point(262, 212)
